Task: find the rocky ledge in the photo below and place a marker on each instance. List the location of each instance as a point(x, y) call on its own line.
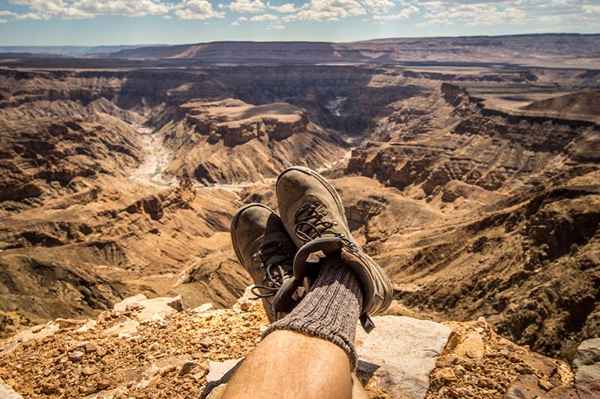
point(154, 348)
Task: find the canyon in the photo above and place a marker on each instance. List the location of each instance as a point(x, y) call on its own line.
point(476, 186)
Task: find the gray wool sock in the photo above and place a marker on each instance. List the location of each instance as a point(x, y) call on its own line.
point(330, 310)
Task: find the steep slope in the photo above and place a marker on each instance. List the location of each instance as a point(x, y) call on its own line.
point(48, 149)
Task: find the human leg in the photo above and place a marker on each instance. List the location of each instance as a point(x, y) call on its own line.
point(309, 353)
point(288, 364)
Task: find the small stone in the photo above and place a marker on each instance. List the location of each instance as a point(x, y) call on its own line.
point(76, 356)
point(166, 370)
point(90, 348)
point(204, 345)
point(102, 384)
point(89, 371)
point(87, 389)
point(472, 346)
point(447, 375)
point(187, 367)
point(547, 385)
point(154, 347)
point(90, 325)
point(49, 388)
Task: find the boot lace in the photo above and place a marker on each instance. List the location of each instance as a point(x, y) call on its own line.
point(273, 257)
point(311, 223)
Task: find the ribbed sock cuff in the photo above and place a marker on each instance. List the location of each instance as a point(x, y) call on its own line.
point(330, 310)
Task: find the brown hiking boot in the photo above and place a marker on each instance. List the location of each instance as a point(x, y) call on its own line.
point(264, 248)
point(313, 214)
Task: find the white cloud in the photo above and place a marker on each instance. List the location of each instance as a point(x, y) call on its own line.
point(404, 13)
point(74, 9)
point(473, 13)
point(552, 14)
point(549, 13)
point(196, 10)
point(79, 9)
point(46, 9)
point(238, 21)
point(332, 10)
point(286, 8)
point(264, 17)
point(31, 16)
point(247, 6)
point(329, 10)
point(135, 8)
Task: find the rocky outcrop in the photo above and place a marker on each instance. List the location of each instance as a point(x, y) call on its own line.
point(142, 347)
point(230, 141)
point(235, 122)
point(146, 347)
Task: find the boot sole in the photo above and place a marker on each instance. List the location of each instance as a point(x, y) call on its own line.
point(234, 222)
point(325, 183)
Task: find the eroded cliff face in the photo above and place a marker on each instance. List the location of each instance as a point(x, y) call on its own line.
point(518, 225)
point(230, 141)
point(48, 149)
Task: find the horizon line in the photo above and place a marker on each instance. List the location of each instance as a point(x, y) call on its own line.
point(302, 41)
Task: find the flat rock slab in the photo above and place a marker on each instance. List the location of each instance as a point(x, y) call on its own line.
point(400, 354)
point(155, 309)
point(587, 365)
point(6, 392)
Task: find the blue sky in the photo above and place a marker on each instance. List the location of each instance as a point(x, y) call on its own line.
point(111, 22)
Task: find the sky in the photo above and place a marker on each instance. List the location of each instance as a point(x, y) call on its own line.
point(132, 22)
